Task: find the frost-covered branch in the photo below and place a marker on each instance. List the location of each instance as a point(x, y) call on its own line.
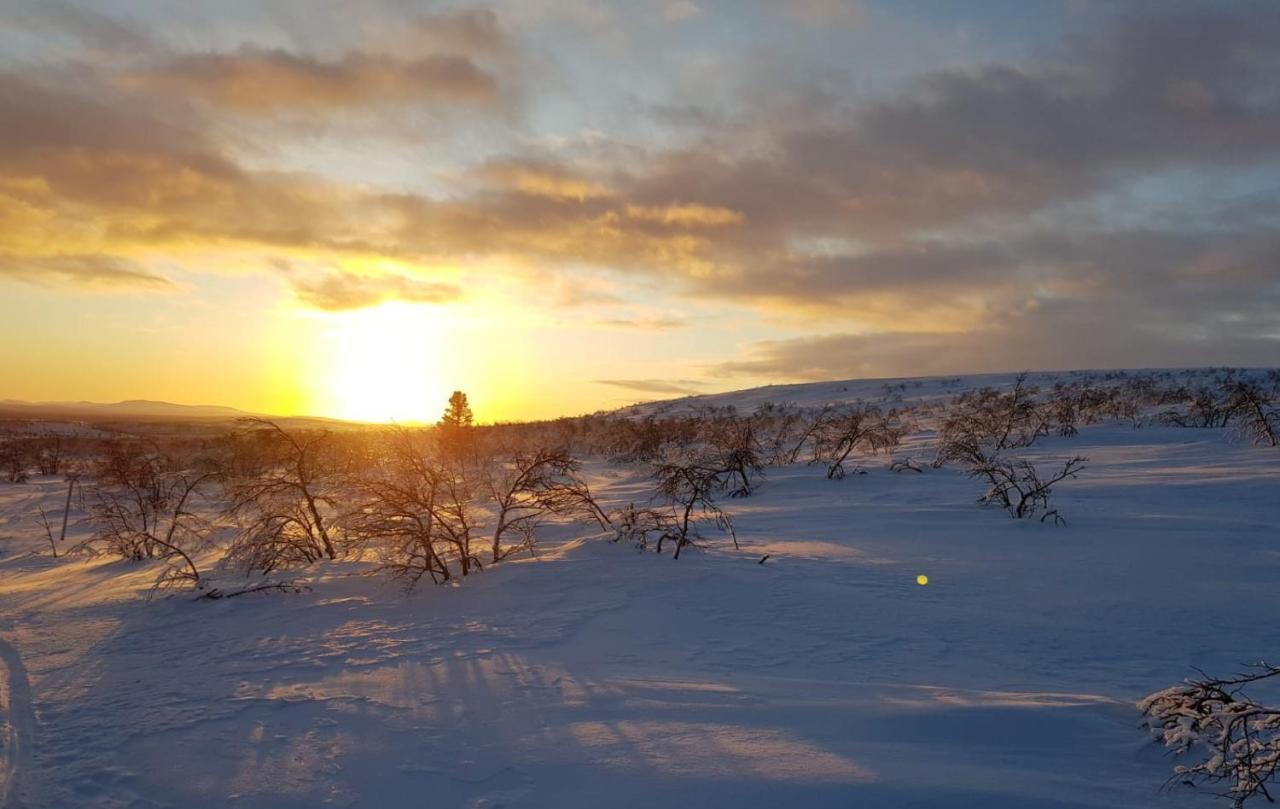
point(1232, 740)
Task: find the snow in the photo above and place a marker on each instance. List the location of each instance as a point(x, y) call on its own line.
point(594, 675)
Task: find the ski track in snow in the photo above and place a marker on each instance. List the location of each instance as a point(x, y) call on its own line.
point(19, 726)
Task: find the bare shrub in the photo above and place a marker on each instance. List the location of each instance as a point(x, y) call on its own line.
point(49, 451)
point(689, 487)
point(1062, 411)
point(734, 449)
point(280, 491)
point(15, 461)
point(774, 427)
point(810, 425)
point(528, 487)
point(141, 508)
point(905, 465)
point(1235, 739)
point(419, 509)
point(853, 427)
point(1018, 487)
point(638, 525)
point(1203, 408)
point(1252, 405)
point(639, 440)
point(996, 420)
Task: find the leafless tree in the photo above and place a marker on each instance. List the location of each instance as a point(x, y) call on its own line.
point(1203, 408)
point(527, 487)
point(278, 489)
point(810, 426)
point(997, 420)
point(1235, 738)
point(735, 450)
point(48, 530)
point(690, 487)
point(49, 452)
point(15, 461)
point(853, 427)
point(1018, 487)
point(775, 427)
point(638, 525)
point(418, 508)
point(141, 508)
point(72, 476)
point(1253, 406)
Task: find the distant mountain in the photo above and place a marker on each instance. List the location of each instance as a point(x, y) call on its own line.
point(132, 409)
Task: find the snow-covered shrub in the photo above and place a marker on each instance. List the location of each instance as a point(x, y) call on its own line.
point(1233, 741)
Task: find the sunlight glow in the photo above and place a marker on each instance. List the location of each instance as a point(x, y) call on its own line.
point(380, 364)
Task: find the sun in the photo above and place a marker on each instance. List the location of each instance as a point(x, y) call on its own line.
point(382, 364)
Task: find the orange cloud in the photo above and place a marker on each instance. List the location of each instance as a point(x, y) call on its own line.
point(689, 215)
point(259, 81)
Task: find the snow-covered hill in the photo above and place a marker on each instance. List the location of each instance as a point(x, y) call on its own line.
point(595, 675)
point(911, 390)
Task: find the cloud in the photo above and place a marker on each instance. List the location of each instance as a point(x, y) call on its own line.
point(950, 203)
point(648, 324)
point(93, 271)
point(336, 291)
point(823, 12)
point(96, 30)
point(655, 386)
point(679, 10)
point(686, 214)
point(1068, 336)
point(469, 31)
point(257, 81)
point(541, 179)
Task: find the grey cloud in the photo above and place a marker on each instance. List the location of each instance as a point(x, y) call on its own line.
point(96, 30)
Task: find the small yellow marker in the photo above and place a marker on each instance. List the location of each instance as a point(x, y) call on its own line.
point(922, 580)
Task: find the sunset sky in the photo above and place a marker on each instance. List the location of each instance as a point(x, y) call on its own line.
point(351, 209)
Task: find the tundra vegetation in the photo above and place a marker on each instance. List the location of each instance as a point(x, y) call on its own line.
point(262, 502)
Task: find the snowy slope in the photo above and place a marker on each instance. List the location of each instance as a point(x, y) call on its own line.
point(594, 675)
point(908, 390)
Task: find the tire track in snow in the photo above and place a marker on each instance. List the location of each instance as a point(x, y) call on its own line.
point(19, 723)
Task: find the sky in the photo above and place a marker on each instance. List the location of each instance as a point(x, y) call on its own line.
point(352, 209)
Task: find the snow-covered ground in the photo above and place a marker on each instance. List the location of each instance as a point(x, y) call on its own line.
point(595, 675)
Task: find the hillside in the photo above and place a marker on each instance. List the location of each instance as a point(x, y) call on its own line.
point(590, 673)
